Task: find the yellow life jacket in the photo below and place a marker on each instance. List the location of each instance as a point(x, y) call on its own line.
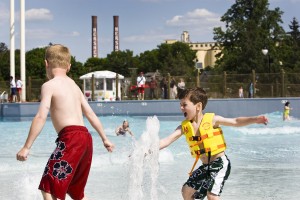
point(212, 138)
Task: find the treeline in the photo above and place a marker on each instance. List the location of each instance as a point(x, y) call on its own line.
point(250, 27)
point(176, 59)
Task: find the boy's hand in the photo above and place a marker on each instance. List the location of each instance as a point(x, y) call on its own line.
point(262, 120)
point(23, 154)
point(108, 145)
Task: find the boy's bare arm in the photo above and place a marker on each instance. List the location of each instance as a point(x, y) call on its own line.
point(130, 132)
point(239, 121)
point(38, 122)
point(163, 143)
point(96, 124)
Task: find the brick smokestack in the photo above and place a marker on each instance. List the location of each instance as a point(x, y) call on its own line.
point(94, 37)
point(116, 34)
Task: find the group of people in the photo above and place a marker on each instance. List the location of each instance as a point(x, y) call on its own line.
point(163, 85)
point(15, 89)
point(250, 91)
point(67, 169)
point(174, 88)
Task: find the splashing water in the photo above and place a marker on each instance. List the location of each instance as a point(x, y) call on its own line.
point(143, 158)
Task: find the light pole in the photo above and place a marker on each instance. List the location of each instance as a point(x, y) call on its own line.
point(265, 52)
point(198, 66)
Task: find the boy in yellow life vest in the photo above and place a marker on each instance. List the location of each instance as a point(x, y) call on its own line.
point(206, 142)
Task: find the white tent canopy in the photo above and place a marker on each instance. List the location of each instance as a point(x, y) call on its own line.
point(105, 86)
point(101, 74)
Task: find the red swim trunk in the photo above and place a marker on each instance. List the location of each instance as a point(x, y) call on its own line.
point(69, 165)
point(141, 89)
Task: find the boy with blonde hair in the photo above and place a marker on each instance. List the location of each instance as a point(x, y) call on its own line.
point(68, 167)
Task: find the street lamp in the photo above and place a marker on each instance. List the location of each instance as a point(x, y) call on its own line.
point(198, 66)
point(265, 52)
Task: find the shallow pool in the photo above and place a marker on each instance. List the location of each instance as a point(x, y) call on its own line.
point(265, 161)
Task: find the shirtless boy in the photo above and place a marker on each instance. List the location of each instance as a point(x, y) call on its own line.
point(206, 142)
point(68, 167)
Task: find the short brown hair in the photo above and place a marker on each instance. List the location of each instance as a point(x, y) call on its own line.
point(58, 56)
point(195, 95)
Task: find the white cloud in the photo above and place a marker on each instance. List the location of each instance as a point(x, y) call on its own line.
point(75, 34)
point(40, 14)
point(48, 34)
point(197, 17)
point(149, 37)
point(154, 1)
point(40, 34)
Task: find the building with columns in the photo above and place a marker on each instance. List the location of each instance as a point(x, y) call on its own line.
point(206, 51)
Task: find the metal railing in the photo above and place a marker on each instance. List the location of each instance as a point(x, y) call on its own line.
point(217, 86)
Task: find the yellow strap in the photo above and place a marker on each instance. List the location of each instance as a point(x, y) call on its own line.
point(197, 158)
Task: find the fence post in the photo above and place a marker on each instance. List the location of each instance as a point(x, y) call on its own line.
point(169, 81)
point(117, 87)
point(29, 88)
point(225, 84)
point(282, 83)
point(93, 87)
point(198, 78)
point(254, 82)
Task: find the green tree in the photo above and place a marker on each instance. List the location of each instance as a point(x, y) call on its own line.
point(4, 62)
point(249, 27)
point(121, 61)
point(35, 63)
point(149, 61)
point(176, 58)
point(94, 64)
point(290, 48)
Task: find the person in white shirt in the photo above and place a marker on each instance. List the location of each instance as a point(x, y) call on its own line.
point(19, 85)
point(13, 89)
point(181, 85)
point(140, 82)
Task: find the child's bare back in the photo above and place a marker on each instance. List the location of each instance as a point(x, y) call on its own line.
point(66, 101)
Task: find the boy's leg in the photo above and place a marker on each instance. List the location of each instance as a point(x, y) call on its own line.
point(188, 192)
point(211, 196)
point(48, 196)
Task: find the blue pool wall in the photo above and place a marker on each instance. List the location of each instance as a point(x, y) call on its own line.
point(223, 107)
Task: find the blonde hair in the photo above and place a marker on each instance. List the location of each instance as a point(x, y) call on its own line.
point(58, 56)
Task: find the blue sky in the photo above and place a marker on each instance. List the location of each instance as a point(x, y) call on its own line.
point(143, 24)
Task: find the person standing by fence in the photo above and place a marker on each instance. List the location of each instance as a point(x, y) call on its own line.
point(153, 86)
point(173, 88)
point(13, 89)
point(140, 81)
point(19, 85)
point(241, 92)
point(181, 85)
point(251, 90)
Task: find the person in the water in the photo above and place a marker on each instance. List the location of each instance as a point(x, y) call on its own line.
point(123, 129)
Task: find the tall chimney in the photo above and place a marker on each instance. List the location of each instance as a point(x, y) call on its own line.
point(94, 37)
point(116, 33)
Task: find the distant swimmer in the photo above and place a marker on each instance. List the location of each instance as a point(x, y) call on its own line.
point(123, 129)
point(286, 111)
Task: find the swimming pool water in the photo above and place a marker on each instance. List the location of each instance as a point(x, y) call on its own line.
point(265, 161)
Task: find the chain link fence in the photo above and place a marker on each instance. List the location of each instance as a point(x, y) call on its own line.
point(267, 85)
